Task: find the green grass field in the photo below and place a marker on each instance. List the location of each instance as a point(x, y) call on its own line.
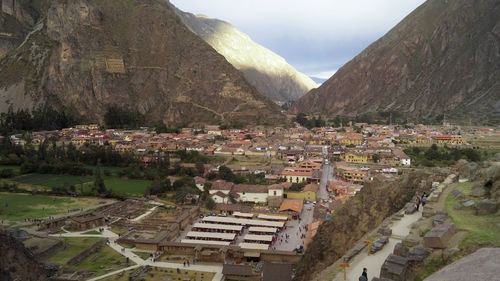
point(75, 246)
point(15, 168)
point(102, 262)
point(20, 206)
point(126, 186)
point(49, 180)
point(130, 187)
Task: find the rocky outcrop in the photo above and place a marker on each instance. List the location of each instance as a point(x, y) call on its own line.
point(18, 263)
point(481, 265)
point(267, 71)
point(442, 58)
point(376, 201)
point(86, 54)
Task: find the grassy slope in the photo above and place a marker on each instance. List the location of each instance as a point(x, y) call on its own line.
point(75, 246)
point(482, 231)
point(102, 262)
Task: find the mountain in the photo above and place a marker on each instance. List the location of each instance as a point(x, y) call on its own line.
point(83, 55)
point(267, 71)
point(442, 58)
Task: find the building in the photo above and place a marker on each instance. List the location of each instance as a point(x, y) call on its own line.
point(296, 174)
point(310, 191)
point(251, 193)
point(294, 207)
point(358, 157)
point(351, 139)
point(87, 221)
point(449, 139)
point(221, 186)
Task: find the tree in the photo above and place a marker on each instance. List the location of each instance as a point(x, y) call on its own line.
point(376, 157)
point(232, 200)
point(226, 174)
point(207, 186)
point(210, 203)
point(200, 168)
point(99, 185)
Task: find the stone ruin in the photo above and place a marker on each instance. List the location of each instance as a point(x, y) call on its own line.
point(439, 236)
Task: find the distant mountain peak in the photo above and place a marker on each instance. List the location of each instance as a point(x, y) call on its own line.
point(267, 71)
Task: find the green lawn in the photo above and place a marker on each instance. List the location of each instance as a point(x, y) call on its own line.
point(126, 186)
point(75, 246)
point(49, 180)
point(130, 187)
point(18, 206)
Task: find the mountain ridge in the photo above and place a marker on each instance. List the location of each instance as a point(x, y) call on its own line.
point(442, 58)
point(264, 69)
point(84, 55)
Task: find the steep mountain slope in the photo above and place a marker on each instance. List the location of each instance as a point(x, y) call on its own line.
point(442, 58)
point(17, 263)
point(85, 54)
point(267, 71)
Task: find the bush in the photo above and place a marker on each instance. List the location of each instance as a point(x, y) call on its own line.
point(7, 173)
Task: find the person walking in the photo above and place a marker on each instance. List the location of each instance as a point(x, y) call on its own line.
point(417, 202)
point(364, 275)
point(424, 199)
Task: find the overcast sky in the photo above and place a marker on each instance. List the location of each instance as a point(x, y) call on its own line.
point(316, 36)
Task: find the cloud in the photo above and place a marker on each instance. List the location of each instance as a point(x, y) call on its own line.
point(323, 74)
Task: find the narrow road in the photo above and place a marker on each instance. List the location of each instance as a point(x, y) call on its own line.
point(325, 177)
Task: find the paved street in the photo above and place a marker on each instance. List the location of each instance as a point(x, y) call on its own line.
point(326, 176)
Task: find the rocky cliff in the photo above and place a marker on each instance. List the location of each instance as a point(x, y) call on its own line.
point(17, 263)
point(85, 54)
point(267, 71)
point(442, 58)
point(376, 201)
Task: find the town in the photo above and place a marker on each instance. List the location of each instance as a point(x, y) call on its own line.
point(240, 204)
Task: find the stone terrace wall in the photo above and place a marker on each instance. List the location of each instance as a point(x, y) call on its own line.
point(83, 255)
